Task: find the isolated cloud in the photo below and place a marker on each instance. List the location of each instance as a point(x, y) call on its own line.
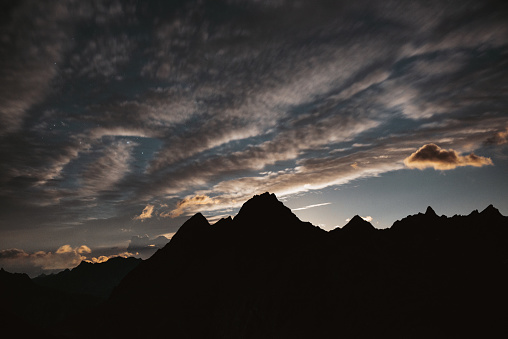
point(431, 155)
point(146, 214)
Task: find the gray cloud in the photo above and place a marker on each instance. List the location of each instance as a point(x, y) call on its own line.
point(103, 57)
point(30, 58)
point(108, 169)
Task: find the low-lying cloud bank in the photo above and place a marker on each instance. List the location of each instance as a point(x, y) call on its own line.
point(19, 261)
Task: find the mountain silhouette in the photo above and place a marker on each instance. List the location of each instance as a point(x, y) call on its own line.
point(358, 225)
point(97, 280)
point(266, 274)
point(29, 309)
point(430, 212)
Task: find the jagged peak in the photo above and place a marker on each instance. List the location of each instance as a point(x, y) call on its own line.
point(197, 217)
point(196, 224)
point(430, 212)
point(264, 199)
point(221, 221)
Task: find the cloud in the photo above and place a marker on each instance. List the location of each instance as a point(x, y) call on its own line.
point(108, 169)
point(431, 155)
point(102, 57)
point(286, 145)
point(311, 174)
point(26, 69)
point(499, 138)
point(187, 203)
point(104, 258)
point(146, 214)
point(83, 249)
point(310, 206)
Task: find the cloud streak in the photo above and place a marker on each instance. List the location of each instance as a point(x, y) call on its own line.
point(310, 206)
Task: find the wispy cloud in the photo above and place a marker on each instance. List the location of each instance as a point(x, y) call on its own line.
point(310, 206)
point(108, 169)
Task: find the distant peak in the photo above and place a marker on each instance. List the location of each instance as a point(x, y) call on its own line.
point(358, 223)
point(430, 212)
point(356, 219)
point(491, 211)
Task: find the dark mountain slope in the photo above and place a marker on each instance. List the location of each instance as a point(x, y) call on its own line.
point(97, 280)
point(266, 274)
point(32, 307)
point(27, 308)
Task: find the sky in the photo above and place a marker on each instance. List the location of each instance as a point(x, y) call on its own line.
point(120, 119)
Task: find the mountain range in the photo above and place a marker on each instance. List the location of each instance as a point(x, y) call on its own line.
point(31, 307)
point(266, 274)
point(95, 280)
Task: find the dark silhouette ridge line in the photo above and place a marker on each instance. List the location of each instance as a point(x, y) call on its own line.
point(92, 279)
point(267, 274)
point(356, 220)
